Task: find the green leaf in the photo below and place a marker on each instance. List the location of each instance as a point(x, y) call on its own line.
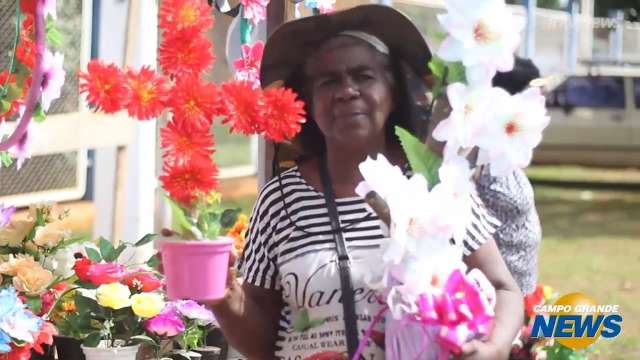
point(4, 106)
point(456, 73)
point(93, 339)
point(106, 249)
point(180, 221)
point(422, 160)
point(86, 284)
point(5, 250)
point(118, 251)
point(34, 303)
point(229, 217)
point(145, 240)
point(39, 114)
point(437, 67)
point(13, 92)
point(5, 159)
point(86, 305)
point(93, 254)
point(154, 261)
point(53, 35)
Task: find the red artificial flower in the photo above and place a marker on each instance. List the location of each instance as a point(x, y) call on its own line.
point(106, 86)
point(106, 273)
point(283, 114)
point(533, 299)
point(242, 103)
point(182, 142)
point(44, 336)
point(195, 101)
point(81, 268)
point(26, 49)
point(185, 54)
point(144, 281)
point(18, 352)
point(184, 181)
point(185, 15)
point(149, 93)
point(28, 6)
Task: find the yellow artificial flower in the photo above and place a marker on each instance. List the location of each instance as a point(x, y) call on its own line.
point(14, 234)
point(17, 263)
point(147, 305)
point(114, 295)
point(32, 280)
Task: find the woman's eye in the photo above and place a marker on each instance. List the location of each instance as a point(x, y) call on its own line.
point(365, 76)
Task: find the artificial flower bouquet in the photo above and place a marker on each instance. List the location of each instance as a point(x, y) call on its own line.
point(21, 331)
point(179, 329)
point(433, 304)
point(37, 253)
point(195, 269)
point(107, 302)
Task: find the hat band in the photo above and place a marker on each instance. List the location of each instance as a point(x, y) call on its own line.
point(368, 38)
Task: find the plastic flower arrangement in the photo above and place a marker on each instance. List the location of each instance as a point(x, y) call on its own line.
point(20, 330)
point(191, 105)
point(30, 63)
point(37, 254)
point(432, 304)
point(109, 302)
point(184, 323)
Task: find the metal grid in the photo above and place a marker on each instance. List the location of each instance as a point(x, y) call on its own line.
point(40, 173)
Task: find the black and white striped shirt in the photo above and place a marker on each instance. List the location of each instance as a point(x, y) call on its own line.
point(290, 248)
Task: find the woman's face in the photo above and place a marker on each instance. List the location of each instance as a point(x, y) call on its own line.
point(351, 87)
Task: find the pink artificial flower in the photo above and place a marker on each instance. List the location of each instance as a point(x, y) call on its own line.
point(248, 66)
point(20, 150)
point(254, 10)
point(167, 323)
point(52, 77)
point(105, 273)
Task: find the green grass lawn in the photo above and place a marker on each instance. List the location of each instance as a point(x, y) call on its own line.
point(591, 244)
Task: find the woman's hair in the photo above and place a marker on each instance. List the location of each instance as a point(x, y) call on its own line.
point(410, 107)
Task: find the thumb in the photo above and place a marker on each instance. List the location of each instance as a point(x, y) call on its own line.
point(469, 348)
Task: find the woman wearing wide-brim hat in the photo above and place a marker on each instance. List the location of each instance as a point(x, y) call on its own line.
point(360, 73)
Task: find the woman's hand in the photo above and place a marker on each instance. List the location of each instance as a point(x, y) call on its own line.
point(480, 350)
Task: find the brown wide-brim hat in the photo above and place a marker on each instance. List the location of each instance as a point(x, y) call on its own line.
point(293, 42)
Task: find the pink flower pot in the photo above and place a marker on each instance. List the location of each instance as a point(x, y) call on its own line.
point(196, 270)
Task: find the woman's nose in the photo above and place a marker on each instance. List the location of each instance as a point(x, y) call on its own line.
point(347, 90)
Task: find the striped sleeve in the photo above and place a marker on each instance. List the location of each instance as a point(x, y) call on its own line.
point(257, 264)
point(481, 227)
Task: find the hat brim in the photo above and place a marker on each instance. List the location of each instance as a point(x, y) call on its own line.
point(293, 42)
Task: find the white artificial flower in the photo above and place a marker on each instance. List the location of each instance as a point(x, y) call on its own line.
point(484, 33)
point(513, 132)
point(471, 107)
